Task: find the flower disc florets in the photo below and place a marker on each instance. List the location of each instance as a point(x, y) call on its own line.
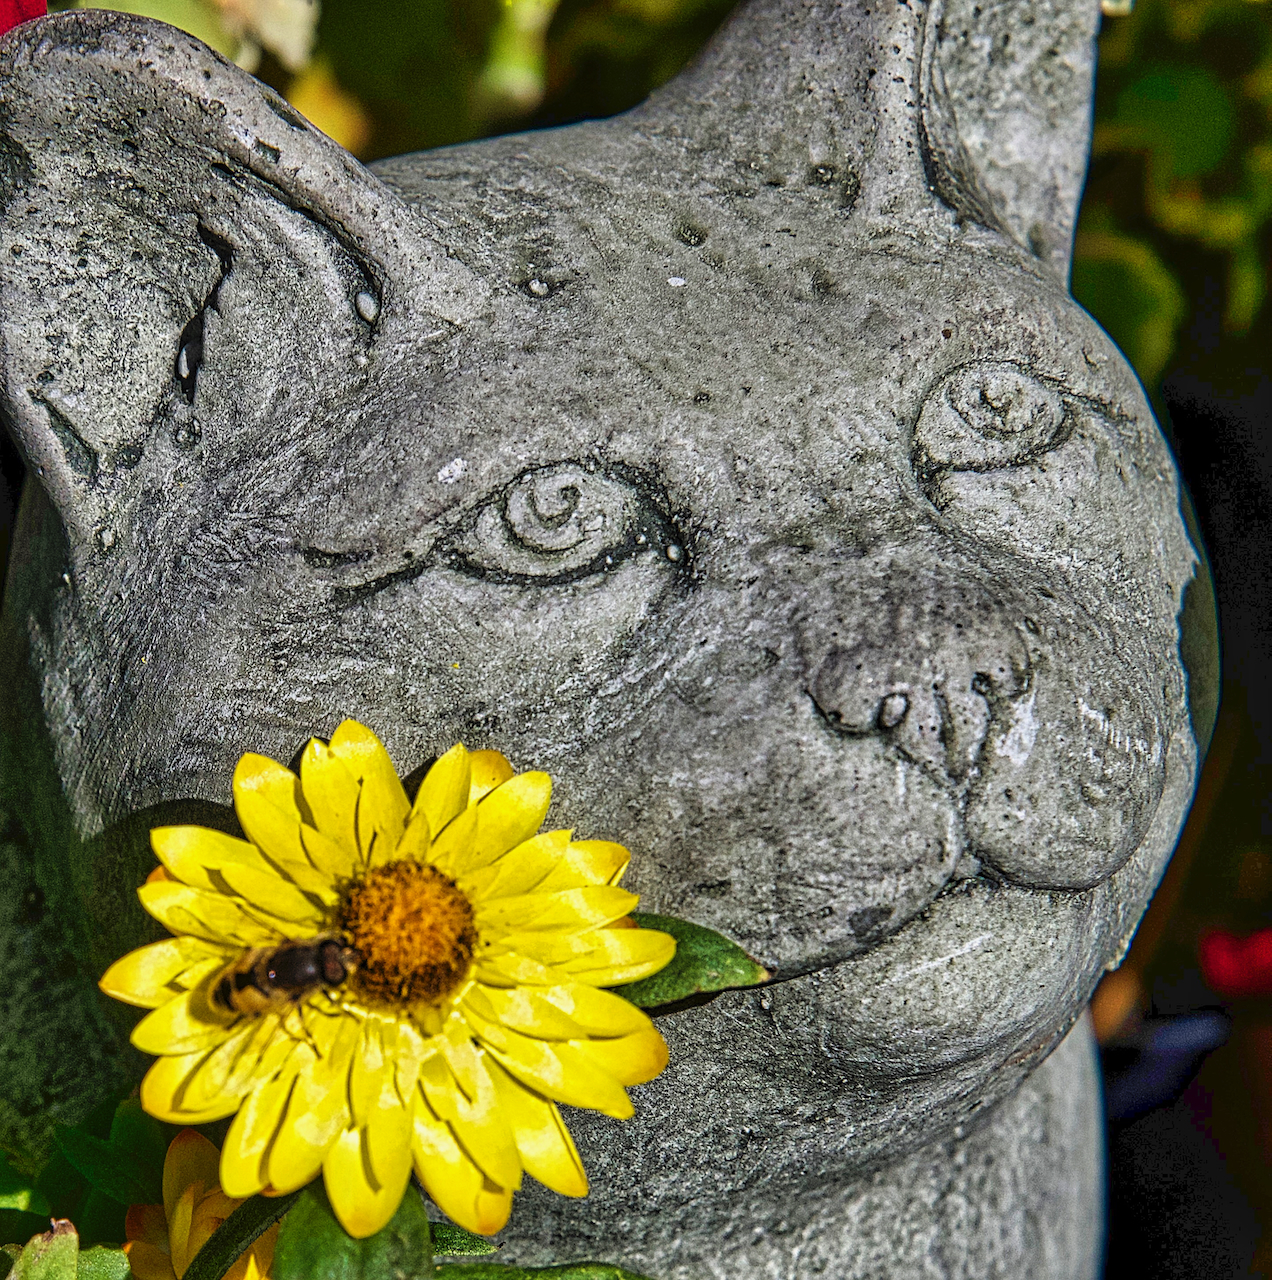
point(413, 931)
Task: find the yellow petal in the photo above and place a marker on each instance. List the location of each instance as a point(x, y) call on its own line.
point(164, 1084)
point(568, 1012)
point(520, 870)
point(630, 1060)
point(383, 806)
point(409, 1050)
point(210, 1211)
point(147, 1223)
point(416, 839)
point(317, 1113)
point(490, 769)
point(145, 1262)
point(369, 1073)
point(243, 1165)
point(194, 854)
point(331, 792)
point(184, 1025)
point(569, 910)
point(147, 976)
point(517, 1007)
point(388, 1144)
point(268, 800)
point(454, 1183)
point(472, 1112)
point(179, 1218)
point(497, 967)
point(267, 891)
point(308, 878)
point(450, 848)
point(547, 1151)
point(191, 1163)
point(600, 957)
point(205, 914)
point(553, 1068)
point(588, 862)
point(363, 1204)
point(509, 815)
point(230, 1069)
point(330, 858)
point(444, 792)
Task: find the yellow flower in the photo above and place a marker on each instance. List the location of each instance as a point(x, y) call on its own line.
point(459, 958)
point(163, 1238)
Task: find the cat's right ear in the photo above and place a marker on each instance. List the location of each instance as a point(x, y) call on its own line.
point(183, 257)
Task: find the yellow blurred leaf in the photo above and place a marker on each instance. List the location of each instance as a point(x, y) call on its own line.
point(318, 96)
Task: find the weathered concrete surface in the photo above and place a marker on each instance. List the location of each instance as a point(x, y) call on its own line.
point(1018, 1195)
point(742, 461)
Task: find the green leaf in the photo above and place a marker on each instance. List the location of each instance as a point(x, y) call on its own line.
point(19, 1192)
point(142, 1140)
point(237, 1234)
point(455, 1242)
point(113, 1172)
point(102, 1263)
point(704, 961)
point(100, 1220)
point(51, 1256)
point(1183, 114)
point(502, 1271)
point(312, 1244)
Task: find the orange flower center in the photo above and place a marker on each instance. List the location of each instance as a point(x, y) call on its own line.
point(414, 932)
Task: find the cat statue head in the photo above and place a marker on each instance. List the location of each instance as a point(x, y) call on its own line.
point(742, 461)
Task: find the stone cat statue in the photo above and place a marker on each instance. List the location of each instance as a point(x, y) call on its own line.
point(743, 462)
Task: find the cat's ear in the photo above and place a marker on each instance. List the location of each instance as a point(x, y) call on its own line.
point(183, 258)
point(1005, 93)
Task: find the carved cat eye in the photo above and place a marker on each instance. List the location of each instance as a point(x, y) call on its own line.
point(564, 522)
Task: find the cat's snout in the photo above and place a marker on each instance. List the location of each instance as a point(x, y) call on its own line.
point(931, 691)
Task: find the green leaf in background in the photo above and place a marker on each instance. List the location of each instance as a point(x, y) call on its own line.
point(142, 1141)
point(454, 1242)
point(705, 961)
point(237, 1234)
point(51, 1256)
point(113, 1172)
point(102, 1263)
point(19, 1192)
point(1182, 114)
point(313, 1244)
point(500, 1271)
point(1133, 294)
point(100, 1220)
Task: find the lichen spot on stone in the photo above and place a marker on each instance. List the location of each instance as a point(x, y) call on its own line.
point(413, 930)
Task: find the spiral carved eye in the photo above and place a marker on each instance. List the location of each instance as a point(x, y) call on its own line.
point(986, 415)
point(563, 522)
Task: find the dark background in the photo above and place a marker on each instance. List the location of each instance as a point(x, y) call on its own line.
point(1171, 257)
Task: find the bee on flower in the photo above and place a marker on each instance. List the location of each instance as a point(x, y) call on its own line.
point(370, 986)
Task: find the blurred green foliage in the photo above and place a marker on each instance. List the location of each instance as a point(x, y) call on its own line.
point(1181, 171)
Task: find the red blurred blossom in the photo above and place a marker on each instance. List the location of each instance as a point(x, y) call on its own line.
point(1233, 966)
point(14, 11)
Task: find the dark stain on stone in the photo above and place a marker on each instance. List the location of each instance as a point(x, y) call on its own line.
point(868, 920)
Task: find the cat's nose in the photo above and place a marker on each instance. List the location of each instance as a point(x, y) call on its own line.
point(931, 691)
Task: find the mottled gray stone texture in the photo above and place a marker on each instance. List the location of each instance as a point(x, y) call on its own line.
point(742, 461)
